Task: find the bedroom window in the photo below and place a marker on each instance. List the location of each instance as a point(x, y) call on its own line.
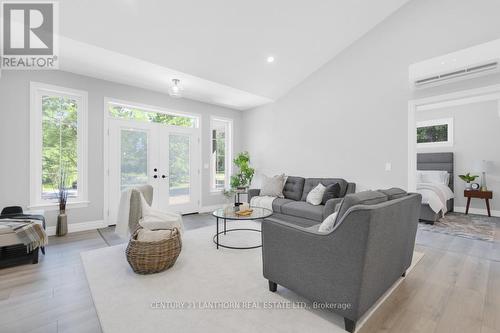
point(58, 124)
point(221, 155)
point(435, 133)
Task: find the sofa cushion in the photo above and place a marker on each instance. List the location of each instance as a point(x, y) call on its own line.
point(332, 191)
point(394, 193)
point(299, 221)
point(311, 183)
point(361, 198)
point(293, 188)
point(304, 210)
point(278, 202)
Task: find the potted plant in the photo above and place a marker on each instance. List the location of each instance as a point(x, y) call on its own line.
point(468, 178)
point(243, 178)
point(62, 198)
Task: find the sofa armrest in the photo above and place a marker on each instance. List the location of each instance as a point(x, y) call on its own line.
point(331, 206)
point(253, 192)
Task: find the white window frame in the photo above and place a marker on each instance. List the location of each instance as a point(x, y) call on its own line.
point(436, 122)
point(36, 91)
point(228, 153)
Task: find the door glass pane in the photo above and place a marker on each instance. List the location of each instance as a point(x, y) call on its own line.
point(59, 146)
point(179, 169)
point(134, 158)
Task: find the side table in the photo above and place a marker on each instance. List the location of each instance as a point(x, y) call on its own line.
point(486, 195)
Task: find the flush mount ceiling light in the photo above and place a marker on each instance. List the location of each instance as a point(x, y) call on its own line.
point(175, 89)
point(270, 59)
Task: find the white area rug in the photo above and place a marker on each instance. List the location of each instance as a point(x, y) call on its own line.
point(203, 277)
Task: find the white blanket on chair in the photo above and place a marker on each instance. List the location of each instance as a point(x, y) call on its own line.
point(263, 202)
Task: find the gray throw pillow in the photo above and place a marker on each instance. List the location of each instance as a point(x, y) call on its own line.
point(332, 191)
point(273, 186)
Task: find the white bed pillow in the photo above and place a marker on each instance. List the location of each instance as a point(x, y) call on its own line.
point(315, 196)
point(328, 224)
point(433, 176)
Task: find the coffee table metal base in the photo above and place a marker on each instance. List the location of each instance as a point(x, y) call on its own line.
point(223, 232)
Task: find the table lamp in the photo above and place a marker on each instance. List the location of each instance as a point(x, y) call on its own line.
point(482, 166)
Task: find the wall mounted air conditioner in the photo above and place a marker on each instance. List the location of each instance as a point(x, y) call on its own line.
point(465, 64)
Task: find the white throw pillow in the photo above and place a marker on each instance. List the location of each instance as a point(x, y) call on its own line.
point(315, 197)
point(328, 224)
point(273, 186)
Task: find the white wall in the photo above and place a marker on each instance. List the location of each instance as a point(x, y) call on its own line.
point(14, 134)
point(350, 117)
point(476, 137)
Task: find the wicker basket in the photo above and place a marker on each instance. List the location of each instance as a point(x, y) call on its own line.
point(153, 257)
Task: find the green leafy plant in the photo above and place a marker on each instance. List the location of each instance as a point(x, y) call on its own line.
point(244, 177)
point(467, 177)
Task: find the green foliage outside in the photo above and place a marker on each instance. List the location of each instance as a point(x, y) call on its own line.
point(244, 177)
point(59, 143)
point(152, 117)
point(134, 159)
point(219, 148)
point(437, 133)
point(179, 162)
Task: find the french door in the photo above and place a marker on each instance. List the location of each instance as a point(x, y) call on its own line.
point(166, 157)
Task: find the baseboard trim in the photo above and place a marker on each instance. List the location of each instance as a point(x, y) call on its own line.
point(75, 227)
point(477, 211)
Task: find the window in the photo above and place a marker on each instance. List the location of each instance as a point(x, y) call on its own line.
point(136, 114)
point(58, 152)
point(220, 160)
point(435, 133)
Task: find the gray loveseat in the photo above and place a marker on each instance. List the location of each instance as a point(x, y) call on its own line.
point(294, 207)
point(351, 267)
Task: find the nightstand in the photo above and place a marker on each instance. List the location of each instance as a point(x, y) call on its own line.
point(486, 195)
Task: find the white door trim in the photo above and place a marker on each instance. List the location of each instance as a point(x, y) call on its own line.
point(483, 94)
point(106, 117)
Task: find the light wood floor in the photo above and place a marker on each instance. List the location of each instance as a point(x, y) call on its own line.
point(455, 288)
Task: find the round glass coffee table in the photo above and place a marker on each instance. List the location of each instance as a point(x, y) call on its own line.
point(230, 214)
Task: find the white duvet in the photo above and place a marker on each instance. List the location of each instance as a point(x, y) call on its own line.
point(435, 195)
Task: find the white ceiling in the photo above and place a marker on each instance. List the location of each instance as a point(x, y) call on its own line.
point(218, 44)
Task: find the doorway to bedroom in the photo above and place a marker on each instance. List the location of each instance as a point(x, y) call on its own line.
point(454, 159)
point(152, 146)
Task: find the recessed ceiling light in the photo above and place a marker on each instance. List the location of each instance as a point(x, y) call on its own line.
point(270, 59)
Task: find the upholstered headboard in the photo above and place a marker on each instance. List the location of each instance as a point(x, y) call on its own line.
point(437, 161)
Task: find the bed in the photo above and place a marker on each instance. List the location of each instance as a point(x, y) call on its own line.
point(435, 162)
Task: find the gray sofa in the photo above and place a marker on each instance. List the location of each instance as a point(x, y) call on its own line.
point(350, 268)
point(294, 206)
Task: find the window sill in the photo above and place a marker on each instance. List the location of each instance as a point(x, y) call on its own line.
point(55, 206)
